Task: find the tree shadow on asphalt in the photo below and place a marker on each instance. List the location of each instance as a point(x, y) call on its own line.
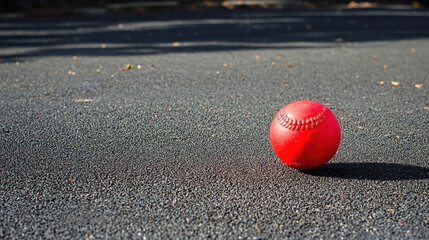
point(206, 32)
point(372, 171)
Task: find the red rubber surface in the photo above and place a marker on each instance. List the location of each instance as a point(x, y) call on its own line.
point(305, 135)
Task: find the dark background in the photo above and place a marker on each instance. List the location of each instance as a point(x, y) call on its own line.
point(52, 7)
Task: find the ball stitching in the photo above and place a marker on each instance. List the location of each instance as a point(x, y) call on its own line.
point(296, 164)
point(301, 125)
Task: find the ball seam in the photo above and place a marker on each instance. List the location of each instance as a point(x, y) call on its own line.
point(305, 124)
point(296, 164)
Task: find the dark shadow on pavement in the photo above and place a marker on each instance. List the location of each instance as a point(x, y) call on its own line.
point(205, 32)
point(372, 171)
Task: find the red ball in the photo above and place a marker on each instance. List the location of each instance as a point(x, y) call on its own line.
point(305, 135)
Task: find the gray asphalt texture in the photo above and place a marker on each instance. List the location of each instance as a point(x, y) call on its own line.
point(179, 148)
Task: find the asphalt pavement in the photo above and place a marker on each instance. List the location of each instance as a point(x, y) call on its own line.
point(157, 126)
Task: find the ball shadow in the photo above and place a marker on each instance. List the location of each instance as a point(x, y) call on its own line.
point(372, 171)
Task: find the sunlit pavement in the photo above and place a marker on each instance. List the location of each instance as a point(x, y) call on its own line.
point(157, 126)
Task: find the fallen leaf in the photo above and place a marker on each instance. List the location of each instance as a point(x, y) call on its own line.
point(273, 63)
point(225, 65)
point(84, 100)
point(418, 86)
point(257, 56)
point(396, 83)
point(416, 4)
point(386, 67)
point(217, 72)
point(289, 65)
point(354, 4)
